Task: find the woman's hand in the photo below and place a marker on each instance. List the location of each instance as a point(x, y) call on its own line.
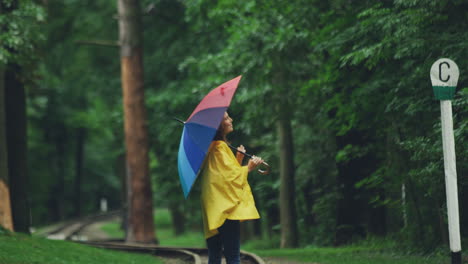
point(239, 155)
point(254, 162)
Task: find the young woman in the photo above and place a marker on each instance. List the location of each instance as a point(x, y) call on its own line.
point(226, 196)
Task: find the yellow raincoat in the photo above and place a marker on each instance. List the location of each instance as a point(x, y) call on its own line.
point(226, 194)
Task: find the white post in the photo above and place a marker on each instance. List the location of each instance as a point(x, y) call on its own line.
point(444, 77)
point(448, 143)
point(103, 205)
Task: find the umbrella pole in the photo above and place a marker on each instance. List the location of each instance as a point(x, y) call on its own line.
point(177, 119)
point(266, 171)
point(235, 149)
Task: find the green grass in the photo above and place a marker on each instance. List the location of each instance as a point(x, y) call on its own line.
point(166, 236)
point(23, 249)
point(162, 218)
point(113, 229)
point(189, 239)
point(370, 251)
point(164, 231)
point(348, 255)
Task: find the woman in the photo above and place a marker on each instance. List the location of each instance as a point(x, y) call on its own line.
point(226, 196)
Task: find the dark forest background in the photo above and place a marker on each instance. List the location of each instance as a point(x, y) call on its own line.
point(335, 95)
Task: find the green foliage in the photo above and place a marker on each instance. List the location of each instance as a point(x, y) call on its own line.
point(20, 32)
point(355, 78)
point(78, 96)
point(385, 53)
point(162, 218)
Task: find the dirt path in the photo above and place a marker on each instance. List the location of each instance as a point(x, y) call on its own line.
point(94, 231)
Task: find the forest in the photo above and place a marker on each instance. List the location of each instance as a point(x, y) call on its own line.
point(335, 95)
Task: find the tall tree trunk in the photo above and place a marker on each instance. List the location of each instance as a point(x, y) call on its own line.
point(80, 143)
point(288, 217)
point(53, 201)
point(121, 171)
point(16, 136)
point(419, 223)
point(378, 217)
point(247, 230)
point(5, 205)
point(140, 213)
point(178, 217)
point(59, 192)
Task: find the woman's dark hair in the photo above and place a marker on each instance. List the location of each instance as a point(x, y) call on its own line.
point(219, 133)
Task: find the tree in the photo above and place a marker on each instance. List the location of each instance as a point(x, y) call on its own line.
point(335, 97)
point(288, 215)
point(376, 54)
point(17, 145)
point(70, 120)
point(5, 204)
point(140, 226)
point(266, 40)
point(19, 42)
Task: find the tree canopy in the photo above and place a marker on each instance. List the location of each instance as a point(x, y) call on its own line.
point(348, 81)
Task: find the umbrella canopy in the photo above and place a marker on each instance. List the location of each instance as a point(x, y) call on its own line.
point(200, 129)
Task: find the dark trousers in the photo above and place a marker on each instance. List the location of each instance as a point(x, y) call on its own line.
point(227, 241)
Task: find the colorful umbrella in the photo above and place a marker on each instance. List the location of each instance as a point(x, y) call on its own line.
point(200, 129)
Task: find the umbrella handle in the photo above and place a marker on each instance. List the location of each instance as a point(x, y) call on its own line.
point(264, 171)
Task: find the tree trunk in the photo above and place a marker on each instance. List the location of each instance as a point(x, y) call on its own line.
point(178, 218)
point(247, 230)
point(288, 217)
point(419, 223)
point(80, 143)
point(59, 192)
point(16, 141)
point(121, 171)
point(5, 205)
point(140, 205)
point(378, 217)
